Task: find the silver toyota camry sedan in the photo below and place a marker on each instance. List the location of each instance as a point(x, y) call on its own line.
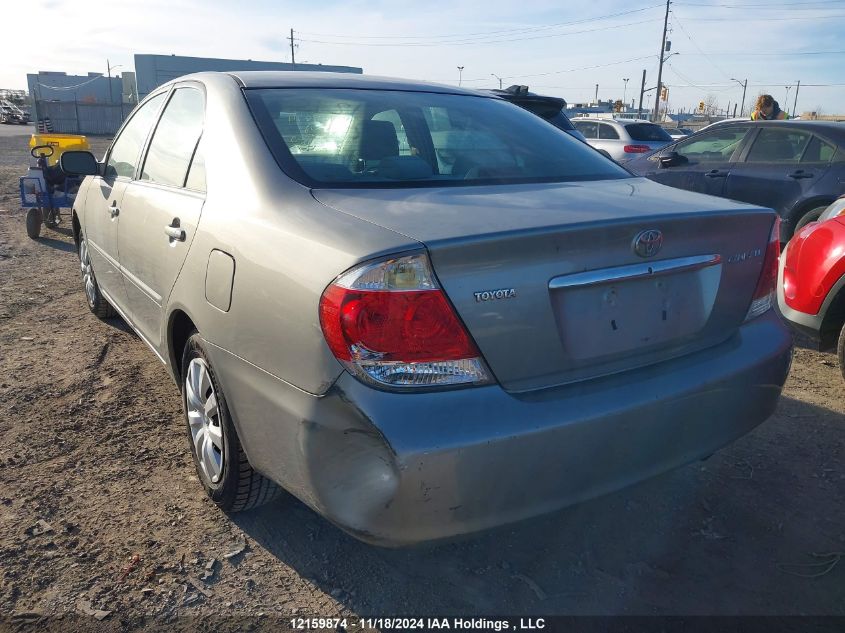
point(420, 309)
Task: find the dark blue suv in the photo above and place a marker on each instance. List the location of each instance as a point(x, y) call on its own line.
point(795, 167)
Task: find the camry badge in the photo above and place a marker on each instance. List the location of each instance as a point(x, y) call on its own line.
point(648, 243)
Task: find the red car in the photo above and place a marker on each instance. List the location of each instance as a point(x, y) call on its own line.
point(811, 288)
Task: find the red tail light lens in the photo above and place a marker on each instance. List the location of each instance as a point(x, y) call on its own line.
point(636, 149)
point(763, 296)
point(390, 324)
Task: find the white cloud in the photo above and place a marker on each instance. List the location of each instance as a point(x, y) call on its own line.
point(79, 36)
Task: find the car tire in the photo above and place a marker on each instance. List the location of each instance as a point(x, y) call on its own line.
point(97, 303)
point(222, 466)
point(810, 216)
point(34, 218)
point(840, 351)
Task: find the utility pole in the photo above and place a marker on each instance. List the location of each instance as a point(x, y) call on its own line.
point(795, 103)
point(660, 66)
point(597, 95)
point(108, 72)
point(642, 92)
point(292, 55)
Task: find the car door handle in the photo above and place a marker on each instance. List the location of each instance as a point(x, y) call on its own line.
point(800, 174)
point(174, 231)
point(716, 173)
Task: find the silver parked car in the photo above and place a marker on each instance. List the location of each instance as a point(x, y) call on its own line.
point(622, 139)
point(420, 309)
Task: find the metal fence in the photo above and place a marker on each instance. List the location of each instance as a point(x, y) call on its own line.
point(74, 117)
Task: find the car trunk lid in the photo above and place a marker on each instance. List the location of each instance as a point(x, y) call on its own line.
point(549, 284)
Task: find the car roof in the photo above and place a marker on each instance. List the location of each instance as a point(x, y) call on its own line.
point(821, 126)
point(297, 79)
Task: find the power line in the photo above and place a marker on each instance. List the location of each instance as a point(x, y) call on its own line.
point(780, 54)
point(677, 21)
point(464, 36)
point(758, 19)
point(767, 5)
point(471, 42)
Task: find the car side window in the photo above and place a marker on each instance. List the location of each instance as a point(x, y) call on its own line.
point(196, 172)
point(175, 138)
point(715, 146)
point(775, 145)
point(587, 128)
point(607, 132)
point(124, 153)
point(818, 151)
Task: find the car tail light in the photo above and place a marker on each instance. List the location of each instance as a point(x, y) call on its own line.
point(636, 149)
point(390, 324)
point(763, 296)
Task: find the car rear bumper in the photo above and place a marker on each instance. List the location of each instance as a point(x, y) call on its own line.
point(398, 468)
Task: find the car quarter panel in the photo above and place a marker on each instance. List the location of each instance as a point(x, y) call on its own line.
point(812, 273)
point(286, 247)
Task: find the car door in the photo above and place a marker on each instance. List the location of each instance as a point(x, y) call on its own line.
point(704, 160)
point(589, 129)
point(773, 172)
point(102, 204)
point(161, 209)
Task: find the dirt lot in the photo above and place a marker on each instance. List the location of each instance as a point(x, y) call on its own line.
point(101, 515)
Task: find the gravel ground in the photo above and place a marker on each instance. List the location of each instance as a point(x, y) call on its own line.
point(103, 522)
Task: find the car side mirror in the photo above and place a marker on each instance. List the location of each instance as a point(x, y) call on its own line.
point(671, 159)
point(79, 163)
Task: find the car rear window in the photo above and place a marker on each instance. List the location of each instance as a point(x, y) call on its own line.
point(336, 138)
point(551, 112)
point(647, 132)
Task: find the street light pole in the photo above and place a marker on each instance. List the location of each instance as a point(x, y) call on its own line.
point(460, 74)
point(499, 78)
point(625, 91)
point(744, 85)
point(786, 101)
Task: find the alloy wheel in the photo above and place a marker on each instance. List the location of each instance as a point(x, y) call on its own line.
point(204, 420)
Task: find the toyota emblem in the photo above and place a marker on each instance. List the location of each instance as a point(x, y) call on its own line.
point(648, 243)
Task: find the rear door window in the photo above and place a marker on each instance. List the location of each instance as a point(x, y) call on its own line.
point(776, 145)
point(818, 151)
point(647, 132)
point(588, 128)
point(716, 146)
point(175, 138)
point(607, 132)
point(123, 157)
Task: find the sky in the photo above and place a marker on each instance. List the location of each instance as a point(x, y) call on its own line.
point(557, 48)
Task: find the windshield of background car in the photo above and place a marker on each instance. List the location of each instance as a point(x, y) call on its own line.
point(647, 132)
point(388, 138)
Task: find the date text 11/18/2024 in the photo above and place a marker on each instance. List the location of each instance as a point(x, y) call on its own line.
point(423, 624)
